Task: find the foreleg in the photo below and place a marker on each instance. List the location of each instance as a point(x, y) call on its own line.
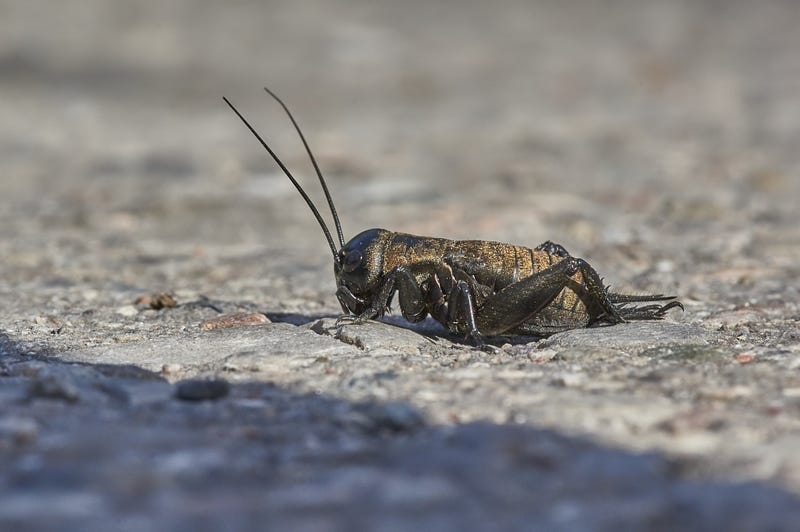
point(412, 300)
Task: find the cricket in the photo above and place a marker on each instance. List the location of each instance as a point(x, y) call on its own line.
point(474, 288)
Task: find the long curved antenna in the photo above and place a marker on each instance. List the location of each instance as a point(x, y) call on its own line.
point(316, 166)
point(289, 175)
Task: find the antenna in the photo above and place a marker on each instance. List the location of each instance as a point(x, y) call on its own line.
point(290, 176)
point(316, 166)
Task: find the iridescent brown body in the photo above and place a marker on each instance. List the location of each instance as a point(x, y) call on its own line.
point(495, 265)
point(480, 288)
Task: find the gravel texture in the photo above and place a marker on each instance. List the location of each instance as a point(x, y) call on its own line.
point(169, 353)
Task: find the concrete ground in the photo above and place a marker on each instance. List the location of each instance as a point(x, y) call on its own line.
point(657, 140)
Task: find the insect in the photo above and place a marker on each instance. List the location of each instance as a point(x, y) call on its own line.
point(473, 287)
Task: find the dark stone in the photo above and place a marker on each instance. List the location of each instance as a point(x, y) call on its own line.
point(202, 389)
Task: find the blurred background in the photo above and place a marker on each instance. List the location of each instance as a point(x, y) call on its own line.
point(659, 140)
point(660, 135)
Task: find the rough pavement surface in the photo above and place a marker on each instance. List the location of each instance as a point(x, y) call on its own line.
point(169, 354)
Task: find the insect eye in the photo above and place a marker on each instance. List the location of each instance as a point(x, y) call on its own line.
point(352, 260)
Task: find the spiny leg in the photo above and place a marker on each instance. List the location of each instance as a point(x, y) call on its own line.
point(626, 305)
point(615, 307)
point(648, 312)
point(633, 298)
point(598, 293)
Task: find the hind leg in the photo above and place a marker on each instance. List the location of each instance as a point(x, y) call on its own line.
point(552, 248)
point(516, 303)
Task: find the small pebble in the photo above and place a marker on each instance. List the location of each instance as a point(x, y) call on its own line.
point(157, 301)
point(171, 369)
point(540, 356)
point(202, 389)
point(237, 319)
